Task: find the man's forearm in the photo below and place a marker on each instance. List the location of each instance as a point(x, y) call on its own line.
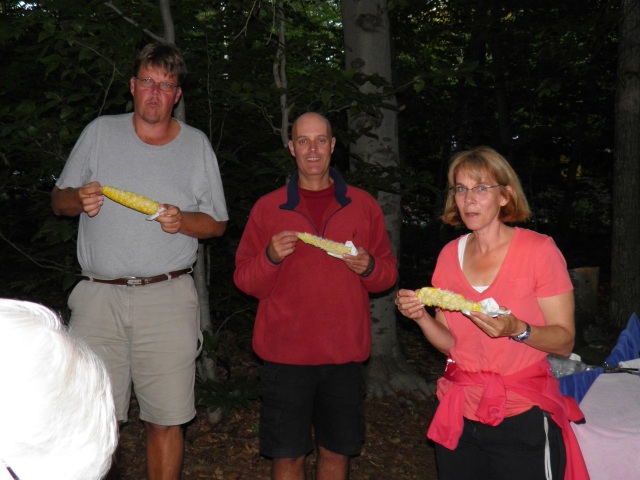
point(201, 226)
point(66, 202)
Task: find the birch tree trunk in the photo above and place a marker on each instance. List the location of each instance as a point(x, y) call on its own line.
point(280, 72)
point(206, 363)
point(368, 49)
point(625, 254)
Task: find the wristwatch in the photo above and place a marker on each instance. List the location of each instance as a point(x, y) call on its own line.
point(524, 335)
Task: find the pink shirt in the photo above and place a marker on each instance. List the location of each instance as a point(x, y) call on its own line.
point(533, 267)
point(489, 379)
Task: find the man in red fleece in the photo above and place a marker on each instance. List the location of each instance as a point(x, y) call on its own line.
point(313, 325)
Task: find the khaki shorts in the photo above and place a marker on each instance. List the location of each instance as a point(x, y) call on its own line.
point(147, 336)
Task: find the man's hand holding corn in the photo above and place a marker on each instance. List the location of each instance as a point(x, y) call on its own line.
point(91, 199)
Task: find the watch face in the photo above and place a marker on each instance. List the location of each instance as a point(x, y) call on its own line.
point(524, 335)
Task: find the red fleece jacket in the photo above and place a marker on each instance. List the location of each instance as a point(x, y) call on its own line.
point(312, 309)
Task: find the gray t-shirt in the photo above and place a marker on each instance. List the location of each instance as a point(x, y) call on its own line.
point(119, 241)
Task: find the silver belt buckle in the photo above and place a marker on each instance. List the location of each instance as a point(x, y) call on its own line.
point(133, 281)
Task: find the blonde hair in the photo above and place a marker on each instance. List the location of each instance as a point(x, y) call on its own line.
point(482, 163)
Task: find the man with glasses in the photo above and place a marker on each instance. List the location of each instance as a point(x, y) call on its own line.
point(136, 305)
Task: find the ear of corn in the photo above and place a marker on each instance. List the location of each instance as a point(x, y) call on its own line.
point(446, 299)
point(131, 200)
point(326, 245)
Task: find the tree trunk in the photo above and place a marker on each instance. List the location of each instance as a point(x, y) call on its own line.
point(625, 263)
point(496, 44)
point(206, 363)
point(585, 289)
point(280, 73)
point(563, 238)
point(474, 53)
point(368, 49)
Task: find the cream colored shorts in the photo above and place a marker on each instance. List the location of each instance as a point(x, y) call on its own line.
point(148, 336)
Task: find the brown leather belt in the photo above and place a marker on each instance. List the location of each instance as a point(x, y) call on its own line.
point(139, 281)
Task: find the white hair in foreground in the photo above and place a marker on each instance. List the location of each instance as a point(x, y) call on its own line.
point(57, 419)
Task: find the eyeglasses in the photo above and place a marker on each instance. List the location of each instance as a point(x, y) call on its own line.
point(148, 83)
point(478, 190)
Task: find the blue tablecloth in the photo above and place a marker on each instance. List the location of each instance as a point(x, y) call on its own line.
point(628, 345)
point(627, 348)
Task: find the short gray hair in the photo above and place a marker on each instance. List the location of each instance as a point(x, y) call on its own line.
point(57, 418)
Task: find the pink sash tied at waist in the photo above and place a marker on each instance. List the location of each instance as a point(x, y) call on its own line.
point(534, 383)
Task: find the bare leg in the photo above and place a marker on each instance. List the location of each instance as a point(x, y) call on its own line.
point(332, 466)
point(165, 448)
point(287, 468)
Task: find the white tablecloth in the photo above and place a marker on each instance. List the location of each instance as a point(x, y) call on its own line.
point(610, 438)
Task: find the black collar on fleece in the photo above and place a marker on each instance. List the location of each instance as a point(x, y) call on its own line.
point(293, 197)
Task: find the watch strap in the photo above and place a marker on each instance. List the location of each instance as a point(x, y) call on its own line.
point(524, 335)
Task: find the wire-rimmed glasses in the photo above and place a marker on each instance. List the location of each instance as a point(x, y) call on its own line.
point(148, 83)
point(478, 190)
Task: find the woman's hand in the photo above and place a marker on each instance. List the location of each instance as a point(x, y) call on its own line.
point(501, 326)
point(409, 305)
point(435, 329)
point(556, 336)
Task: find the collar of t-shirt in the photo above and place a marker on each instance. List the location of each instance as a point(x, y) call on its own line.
point(462, 244)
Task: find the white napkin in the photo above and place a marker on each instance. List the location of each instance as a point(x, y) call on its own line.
point(635, 363)
point(153, 216)
point(489, 307)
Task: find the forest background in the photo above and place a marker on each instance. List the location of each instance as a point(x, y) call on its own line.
point(541, 81)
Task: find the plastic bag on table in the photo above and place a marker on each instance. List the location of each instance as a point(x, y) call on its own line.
point(563, 366)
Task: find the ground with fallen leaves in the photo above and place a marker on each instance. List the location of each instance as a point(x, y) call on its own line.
point(396, 447)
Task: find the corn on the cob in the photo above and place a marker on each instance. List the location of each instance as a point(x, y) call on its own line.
point(326, 245)
point(446, 299)
point(131, 200)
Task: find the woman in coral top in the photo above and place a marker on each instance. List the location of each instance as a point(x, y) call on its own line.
point(501, 414)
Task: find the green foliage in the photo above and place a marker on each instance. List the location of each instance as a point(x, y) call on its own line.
point(65, 63)
point(533, 79)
